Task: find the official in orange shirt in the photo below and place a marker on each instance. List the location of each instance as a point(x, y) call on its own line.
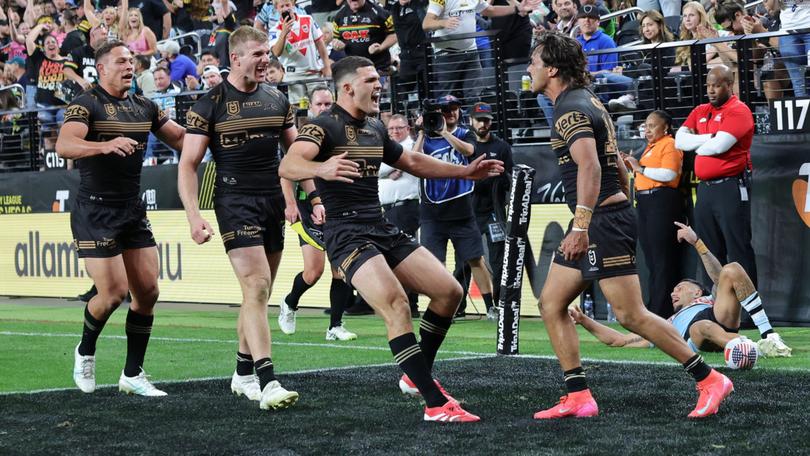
point(659, 204)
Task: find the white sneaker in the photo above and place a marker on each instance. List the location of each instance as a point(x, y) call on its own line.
point(492, 313)
point(286, 318)
point(139, 385)
point(773, 347)
point(275, 397)
point(84, 371)
point(624, 102)
point(340, 333)
point(247, 385)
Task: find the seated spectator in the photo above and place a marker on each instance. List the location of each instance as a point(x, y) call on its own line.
point(138, 38)
point(298, 43)
point(608, 27)
point(275, 72)
point(207, 58)
point(15, 70)
point(211, 77)
point(603, 67)
point(566, 15)
point(164, 96)
point(695, 25)
point(144, 81)
point(774, 75)
point(180, 65)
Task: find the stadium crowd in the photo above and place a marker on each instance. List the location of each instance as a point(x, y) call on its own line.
point(49, 60)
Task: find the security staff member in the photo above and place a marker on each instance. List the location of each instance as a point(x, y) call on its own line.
point(659, 205)
point(720, 132)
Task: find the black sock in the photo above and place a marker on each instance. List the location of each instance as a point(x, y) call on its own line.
point(139, 328)
point(300, 286)
point(487, 300)
point(575, 380)
point(432, 331)
point(244, 364)
point(264, 370)
point(697, 368)
point(90, 332)
point(411, 360)
point(339, 293)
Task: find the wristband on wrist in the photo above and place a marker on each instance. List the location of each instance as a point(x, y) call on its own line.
point(312, 195)
point(582, 217)
point(701, 247)
point(579, 230)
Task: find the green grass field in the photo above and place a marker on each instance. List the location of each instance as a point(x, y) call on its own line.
point(350, 403)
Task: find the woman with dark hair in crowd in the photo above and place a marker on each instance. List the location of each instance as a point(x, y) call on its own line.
point(660, 204)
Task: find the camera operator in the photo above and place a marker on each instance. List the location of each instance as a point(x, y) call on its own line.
point(446, 211)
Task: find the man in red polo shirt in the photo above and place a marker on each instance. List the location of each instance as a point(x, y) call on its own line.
point(720, 132)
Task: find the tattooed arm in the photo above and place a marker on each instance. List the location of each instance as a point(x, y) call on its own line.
point(712, 265)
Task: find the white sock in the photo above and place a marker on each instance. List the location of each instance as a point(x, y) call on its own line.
point(753, 304)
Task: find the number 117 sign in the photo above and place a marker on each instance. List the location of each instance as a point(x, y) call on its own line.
point(790, 115)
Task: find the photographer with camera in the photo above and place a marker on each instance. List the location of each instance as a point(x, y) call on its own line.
point(446, 211)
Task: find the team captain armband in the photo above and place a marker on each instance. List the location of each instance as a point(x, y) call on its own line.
point(573, 123)
point(312, 133)
point(582, 218)
point(77, 113)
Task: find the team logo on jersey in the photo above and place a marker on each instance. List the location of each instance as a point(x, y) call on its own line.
point(351, 135)
point(109, 108)
point(233, 107)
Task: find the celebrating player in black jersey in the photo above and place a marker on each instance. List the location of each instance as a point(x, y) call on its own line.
point(343, 150)
point(600, 243)
point(241, 120)
point(106, 130)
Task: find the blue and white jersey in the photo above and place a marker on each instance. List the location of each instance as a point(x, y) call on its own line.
point(270, 16)
point(441, 190)
point(685, 316)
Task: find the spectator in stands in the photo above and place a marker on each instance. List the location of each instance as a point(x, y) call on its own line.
point(211, 77)
point(225, 20)
point(795, 46)
point(720, 132)
point(323, 10)
point(138, 38)
point(411, 38)
point(666, 7)
point(268, 16)
point(399, 191)
point(514, 33)
point(456, 61)
point(298, 44)
point(109, 17)
point(608, 27)
point(695, 25)
point(653, 29)
point(74, 38)
point(566, 14)
point(490, 199)
point(16, 70)
point(603, 67)
point(164, 96)
point(50, 76)
point(16, 48)
point(180, 65)
point(446, 212)
point(156, 17)
point(659, 205)
point(81, 64)
point(364, 29)
point(208, 58)
point(275, 72)
point(144, 82)
point(775, 77)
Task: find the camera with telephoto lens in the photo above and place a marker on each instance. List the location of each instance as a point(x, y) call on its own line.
point(432, 118)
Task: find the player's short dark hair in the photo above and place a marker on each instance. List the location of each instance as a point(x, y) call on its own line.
point(319, 88)
point(348, 66)
point(726, 11)
point(106, 48)
point(565, 54)
point(703, 290)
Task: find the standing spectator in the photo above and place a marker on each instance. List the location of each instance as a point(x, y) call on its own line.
point(269, 16)
point(456, 62)
point(298, 44)
point(323, 10)
point(156, 17)
point(74, 38)
point(514, 33)
point(109, 17)
point(659, 205)
point(165, 97)
point(144, 81)
point(138, 38)
point(566, 15)
point(721, 132)
point(16, 68)
point(226, 23)
point(408, 16)
point(50, 73)
point(666, 7)
point(180, 65)
point(399, 191)
point(489, 199)
point(795, 46)
point(81, 63)
point(364, 29)
point(446, 212)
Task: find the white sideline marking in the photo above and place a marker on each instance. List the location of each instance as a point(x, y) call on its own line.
point(203, 379)
point(227, 341)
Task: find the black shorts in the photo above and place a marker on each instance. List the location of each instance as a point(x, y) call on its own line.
point(708, 314)
point(463, 234)
point(104, 231)
point(350, 243)
point(612, 244)
point(250, 220)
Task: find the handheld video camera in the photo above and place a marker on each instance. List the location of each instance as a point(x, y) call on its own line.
point(432, 118)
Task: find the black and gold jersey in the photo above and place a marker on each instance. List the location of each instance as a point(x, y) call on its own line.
point(578, 113)
point(110, 177)
point(359, 30)
point(244, 130)
point(367, 143)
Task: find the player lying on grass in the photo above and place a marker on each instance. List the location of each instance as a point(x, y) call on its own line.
point(707, 323)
